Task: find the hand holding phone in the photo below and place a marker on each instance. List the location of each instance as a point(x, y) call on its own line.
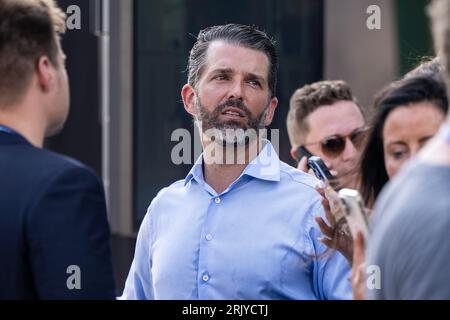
point(355, 212)
point(320, 169)
point(302, 152)
point(316, 164)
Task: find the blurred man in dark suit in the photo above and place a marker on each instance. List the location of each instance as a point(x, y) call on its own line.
point(54, 234)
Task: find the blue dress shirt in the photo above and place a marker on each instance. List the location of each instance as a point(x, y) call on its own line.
point(257, 240)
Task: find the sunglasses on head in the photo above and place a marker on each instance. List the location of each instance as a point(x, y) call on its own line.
point(333, 146)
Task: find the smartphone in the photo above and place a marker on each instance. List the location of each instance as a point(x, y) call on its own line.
point(320, 169)
point(355, 212)
point(303, 152)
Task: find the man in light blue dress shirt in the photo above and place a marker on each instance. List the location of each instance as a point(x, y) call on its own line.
point(241, 224)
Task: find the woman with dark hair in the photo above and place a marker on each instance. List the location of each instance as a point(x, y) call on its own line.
point(407, 114)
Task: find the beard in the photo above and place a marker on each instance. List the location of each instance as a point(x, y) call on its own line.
point(230, 132)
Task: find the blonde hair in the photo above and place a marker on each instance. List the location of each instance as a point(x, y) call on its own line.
point(439, 11)
point(308, 99)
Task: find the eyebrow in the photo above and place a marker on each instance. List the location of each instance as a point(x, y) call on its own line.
point(357, 130)
point(425, 139)
point(253, 76)
point(361, 129)
point(229, 71)
point(397, 142)
point(421, 140)
point(224, 70)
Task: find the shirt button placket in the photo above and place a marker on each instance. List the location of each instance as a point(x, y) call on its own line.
point(209, 237)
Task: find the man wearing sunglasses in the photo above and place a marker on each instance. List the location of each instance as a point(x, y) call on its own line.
point(325, 120)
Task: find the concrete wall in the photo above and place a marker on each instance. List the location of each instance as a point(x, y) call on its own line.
point(366, 59)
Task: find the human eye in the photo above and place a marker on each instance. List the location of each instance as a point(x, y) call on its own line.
point(398, 154)
point(255, 83)
point(221, 77)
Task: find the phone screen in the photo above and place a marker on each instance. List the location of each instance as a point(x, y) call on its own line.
point(356, 213)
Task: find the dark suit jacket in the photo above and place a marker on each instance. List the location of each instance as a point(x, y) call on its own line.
point(52, 217)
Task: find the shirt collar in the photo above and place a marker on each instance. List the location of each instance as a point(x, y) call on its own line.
point(266, 166)
point(196, 172)
point(12, 135)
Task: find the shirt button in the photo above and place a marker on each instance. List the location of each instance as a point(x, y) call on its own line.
point(205, 278)
point(217, 200)
point(209, 237)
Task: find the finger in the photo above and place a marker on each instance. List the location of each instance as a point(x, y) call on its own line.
point(326, 204)
point(321, 191)
point(303, 164)
point(362, 268)
point(328, 242)
point(358, 250)
point(358, 287)
point(326, 230)
point(358, 276)
point(328, 214)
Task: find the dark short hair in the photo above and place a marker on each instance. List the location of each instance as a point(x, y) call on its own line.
point(241, 35)
point(28, 30)
point(373, 174)
point(308, 99)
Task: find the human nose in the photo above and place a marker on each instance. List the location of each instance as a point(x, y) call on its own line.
point(236, 90)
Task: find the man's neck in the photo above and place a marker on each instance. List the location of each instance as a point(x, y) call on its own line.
point(25, 125)
point(224, 165)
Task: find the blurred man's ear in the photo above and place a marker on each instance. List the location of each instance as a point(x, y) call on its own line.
point(189, 99)
point(271, 111)
point(44, 73)
point(294, 153)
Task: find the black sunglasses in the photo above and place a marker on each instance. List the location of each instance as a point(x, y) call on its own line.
point(333, 146)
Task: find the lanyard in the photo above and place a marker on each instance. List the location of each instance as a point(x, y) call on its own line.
point(9, 131)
